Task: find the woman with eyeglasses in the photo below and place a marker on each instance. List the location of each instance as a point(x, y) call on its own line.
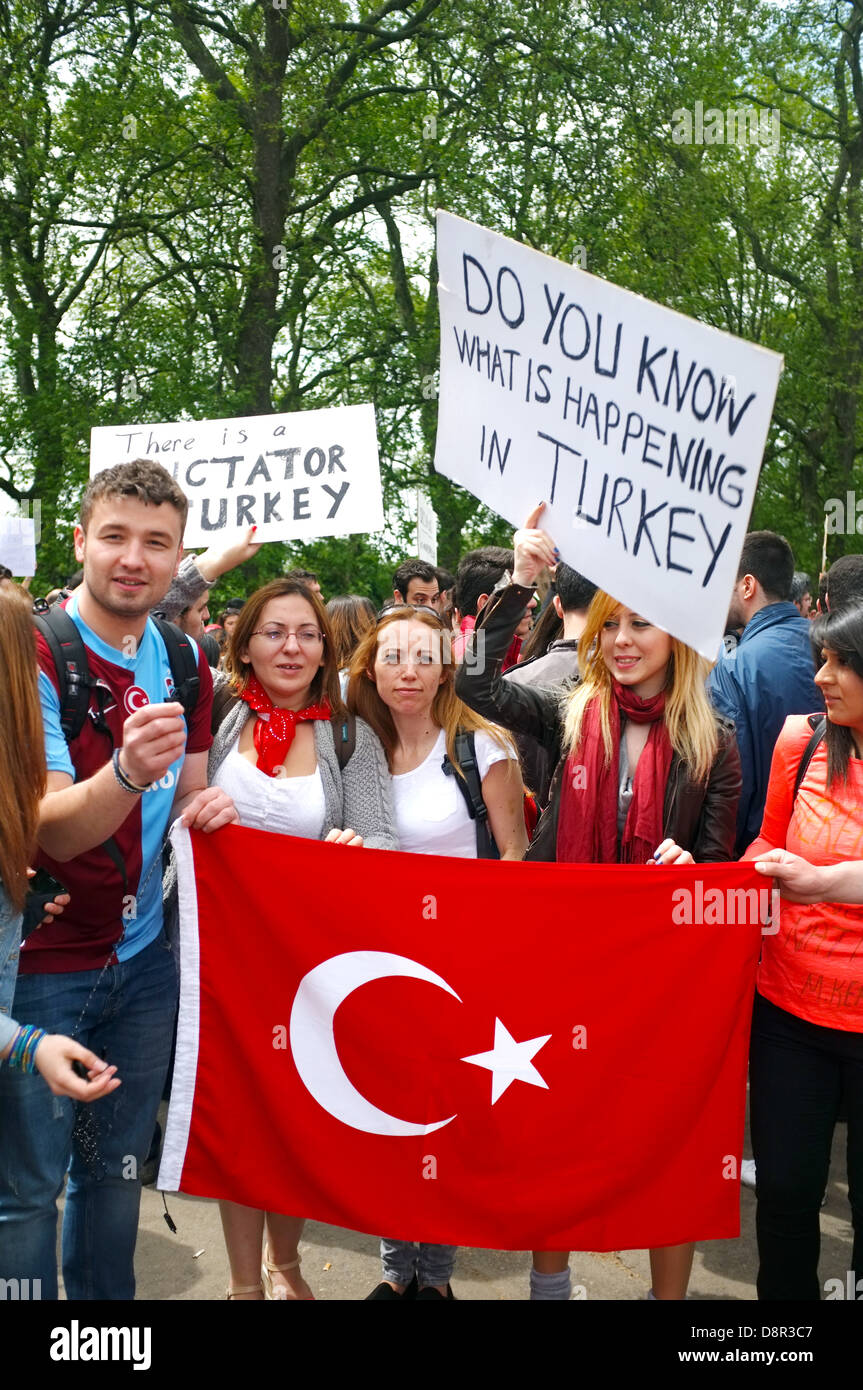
point(275, 723)
point(401, 684)
point(645, 772)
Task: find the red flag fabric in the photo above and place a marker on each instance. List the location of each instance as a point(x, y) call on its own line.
point(466, 1052)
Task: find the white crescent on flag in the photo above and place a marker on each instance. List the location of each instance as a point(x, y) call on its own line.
point(313, 1041)
point(135, 698)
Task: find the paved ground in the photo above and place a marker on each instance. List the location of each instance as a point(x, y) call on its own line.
point(344, 1265)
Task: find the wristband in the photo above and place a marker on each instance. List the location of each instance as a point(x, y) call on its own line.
point(23, 1053)
point(125, 782)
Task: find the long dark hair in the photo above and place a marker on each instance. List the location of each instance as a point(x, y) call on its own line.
point(548, 628)
point(839, 631)
point(22, 742)
point(351, 616)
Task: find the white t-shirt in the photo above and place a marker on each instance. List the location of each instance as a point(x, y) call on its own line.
point(431, 811)
point(286, 805)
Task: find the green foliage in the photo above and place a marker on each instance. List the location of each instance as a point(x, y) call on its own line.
point(206, 213)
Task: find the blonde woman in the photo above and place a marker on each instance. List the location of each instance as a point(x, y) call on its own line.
point(401, 684)
point(645, 771)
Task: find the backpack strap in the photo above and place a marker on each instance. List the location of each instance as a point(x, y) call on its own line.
point(344, 738)
point(470, 786)
point(183, 663)
point(819, 728)
point(69, 655)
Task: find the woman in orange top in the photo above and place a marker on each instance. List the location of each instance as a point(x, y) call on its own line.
point(807, 1031)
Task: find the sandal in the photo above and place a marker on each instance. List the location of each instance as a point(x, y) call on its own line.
point(231, 1292)
point(268, 1269)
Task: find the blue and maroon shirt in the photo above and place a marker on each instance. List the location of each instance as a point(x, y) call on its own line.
point(106, 919)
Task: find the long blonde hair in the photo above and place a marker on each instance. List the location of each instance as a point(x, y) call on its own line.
point(689, 717)
point(448, 712)
point(22, 743)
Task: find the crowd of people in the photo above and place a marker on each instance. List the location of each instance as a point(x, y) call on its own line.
point(510, 711)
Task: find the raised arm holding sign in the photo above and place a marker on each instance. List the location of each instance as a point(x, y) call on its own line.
point(633, 422)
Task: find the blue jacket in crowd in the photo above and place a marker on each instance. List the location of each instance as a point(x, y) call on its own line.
point(767, 676)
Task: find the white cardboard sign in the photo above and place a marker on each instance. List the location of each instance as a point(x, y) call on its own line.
point(426, 530)
point(641, 429)
point(18, 545)
point(296, 477)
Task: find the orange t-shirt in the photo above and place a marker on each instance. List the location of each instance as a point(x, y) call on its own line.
point(813, 966)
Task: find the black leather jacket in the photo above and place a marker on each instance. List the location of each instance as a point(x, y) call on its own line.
point(700, 817)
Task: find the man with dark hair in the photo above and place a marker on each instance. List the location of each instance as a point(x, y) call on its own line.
point(769, 674)
point(844, 582)
point(801, 593)
point(571, 600)
point(479, 573)
point(308, 577)
point(230, 613)
point(415, 582)
point(446, 589)
point(103, 972)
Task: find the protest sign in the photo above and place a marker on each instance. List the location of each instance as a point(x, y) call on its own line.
point(426, 530)
point(641, 429)
point(296, 477)
point(18, 545)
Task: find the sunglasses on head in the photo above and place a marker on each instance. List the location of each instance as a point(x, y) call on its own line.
point(407, 609)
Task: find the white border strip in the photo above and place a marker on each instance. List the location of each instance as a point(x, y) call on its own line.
point(188, 1025)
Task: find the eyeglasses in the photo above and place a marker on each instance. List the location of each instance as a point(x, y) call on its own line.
point(306, 636)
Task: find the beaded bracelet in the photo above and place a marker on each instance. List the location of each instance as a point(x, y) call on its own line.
point(23, 1051)
point(125, 782)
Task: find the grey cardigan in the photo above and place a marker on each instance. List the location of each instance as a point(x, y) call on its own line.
point(360, 797)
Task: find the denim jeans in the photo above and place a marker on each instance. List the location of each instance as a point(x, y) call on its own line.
point(799, 1073)
point(432, 1264)
point(128, 1016)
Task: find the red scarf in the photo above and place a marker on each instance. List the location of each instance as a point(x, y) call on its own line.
point(587, 820)
point(275, 730)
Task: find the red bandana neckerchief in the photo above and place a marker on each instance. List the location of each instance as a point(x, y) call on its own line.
point(275, 730)
point(587, 823)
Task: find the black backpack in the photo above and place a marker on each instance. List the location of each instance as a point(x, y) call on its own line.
point(470, 786)
point(69, 653)
point(818, 725)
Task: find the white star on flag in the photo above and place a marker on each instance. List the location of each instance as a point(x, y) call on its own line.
point(509, 1061)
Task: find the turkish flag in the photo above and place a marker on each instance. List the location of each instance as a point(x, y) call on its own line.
point(466, 1052)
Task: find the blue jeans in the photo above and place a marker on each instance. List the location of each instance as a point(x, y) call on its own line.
point(432, 1264)
point(128, 1017)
